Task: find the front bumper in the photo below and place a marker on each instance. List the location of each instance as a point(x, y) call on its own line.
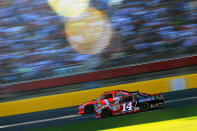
point(81, 111)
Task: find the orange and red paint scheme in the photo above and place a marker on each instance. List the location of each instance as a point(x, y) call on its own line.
point(110, 97)
point(121, 105)
point(89, 106)
point(129, 103)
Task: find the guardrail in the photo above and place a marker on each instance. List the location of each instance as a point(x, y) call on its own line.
point(56, 101)
point(105, 64)
point(104, 74)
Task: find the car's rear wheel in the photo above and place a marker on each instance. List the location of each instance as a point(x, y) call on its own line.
point(106, 113)
point(144, 107)
point(89, 109)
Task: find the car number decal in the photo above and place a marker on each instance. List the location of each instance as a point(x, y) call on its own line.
point(127, 107)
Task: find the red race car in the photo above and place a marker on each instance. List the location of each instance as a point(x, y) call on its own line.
point(111, 96)
point(127, 104)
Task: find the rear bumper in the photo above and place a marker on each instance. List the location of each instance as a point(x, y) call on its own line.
point(161, 101)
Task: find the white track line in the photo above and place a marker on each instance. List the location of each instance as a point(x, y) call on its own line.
point(38, 121)
point(74, 116)
point(183, 99)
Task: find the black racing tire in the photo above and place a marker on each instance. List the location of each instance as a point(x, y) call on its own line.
point(89, 109)
point(144, 107)
point(106, 113)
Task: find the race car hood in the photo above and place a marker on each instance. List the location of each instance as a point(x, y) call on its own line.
point(90, 102)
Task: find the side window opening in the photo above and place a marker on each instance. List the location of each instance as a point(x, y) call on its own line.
point(126, 99)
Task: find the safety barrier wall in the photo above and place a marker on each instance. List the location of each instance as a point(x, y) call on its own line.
point(76, 98)
point(99, 75)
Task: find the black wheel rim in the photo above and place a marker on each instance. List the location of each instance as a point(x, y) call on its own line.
point(144, 107)
point(89, 109)
point(106, 113)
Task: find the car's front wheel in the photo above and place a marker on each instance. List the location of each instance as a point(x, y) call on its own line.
point(106, 113)
point(89, 109)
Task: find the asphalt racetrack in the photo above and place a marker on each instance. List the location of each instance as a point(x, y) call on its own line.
point(69, 115)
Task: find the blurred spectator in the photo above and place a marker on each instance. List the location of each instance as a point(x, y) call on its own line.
point(33, 43)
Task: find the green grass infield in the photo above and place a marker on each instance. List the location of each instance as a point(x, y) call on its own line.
point(127, 120)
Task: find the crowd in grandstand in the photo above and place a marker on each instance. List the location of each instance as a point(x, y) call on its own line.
point(152, 26)
point(33, 40)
